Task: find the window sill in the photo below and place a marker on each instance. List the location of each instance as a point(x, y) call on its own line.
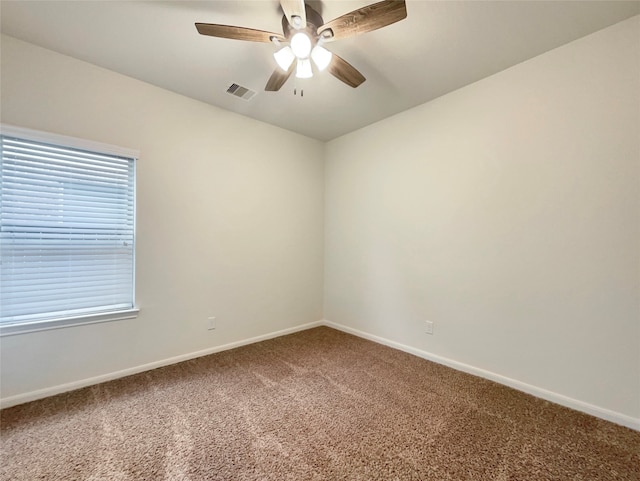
point(45, 325)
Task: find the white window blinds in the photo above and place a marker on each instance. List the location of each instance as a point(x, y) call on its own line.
point(66, 231)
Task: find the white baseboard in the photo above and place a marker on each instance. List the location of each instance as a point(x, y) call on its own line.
point(51, 391)
point(606, 414)
point(615, 417)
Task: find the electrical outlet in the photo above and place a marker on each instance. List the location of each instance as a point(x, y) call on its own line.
point(428, 327)
point(211, 323)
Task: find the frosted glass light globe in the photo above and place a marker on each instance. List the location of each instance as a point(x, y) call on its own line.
point(284, 57)
point(303, 69)
point(301, 45)
point(321, 56)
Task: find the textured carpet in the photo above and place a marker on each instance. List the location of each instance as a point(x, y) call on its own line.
point(316, 405)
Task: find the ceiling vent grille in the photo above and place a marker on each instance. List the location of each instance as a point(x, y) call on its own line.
point(239, 91)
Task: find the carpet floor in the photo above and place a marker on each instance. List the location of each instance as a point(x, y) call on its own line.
point(315, 405)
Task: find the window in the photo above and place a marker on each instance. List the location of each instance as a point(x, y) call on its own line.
point(67, 225)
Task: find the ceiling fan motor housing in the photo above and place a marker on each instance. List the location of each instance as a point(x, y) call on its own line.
point(314, 20)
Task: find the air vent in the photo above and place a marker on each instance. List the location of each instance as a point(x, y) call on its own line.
point(239, 91)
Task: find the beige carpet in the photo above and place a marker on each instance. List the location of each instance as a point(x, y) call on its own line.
point(316, 405)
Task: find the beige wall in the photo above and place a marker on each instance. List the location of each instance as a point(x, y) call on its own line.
point(508, 214)
point(230, 219)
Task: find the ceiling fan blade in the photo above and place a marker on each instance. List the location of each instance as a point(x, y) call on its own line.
point(236, 33)
point(294, 8)
point(344, 71)
point(278, 79)
point(365, 19)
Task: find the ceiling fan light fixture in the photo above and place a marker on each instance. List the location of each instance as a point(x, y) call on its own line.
point(303, 69)
point(303, 28)
point(284, 58)
point(301, 45)
point(321, 57)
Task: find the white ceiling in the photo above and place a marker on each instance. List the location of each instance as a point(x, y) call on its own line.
point(439, 47)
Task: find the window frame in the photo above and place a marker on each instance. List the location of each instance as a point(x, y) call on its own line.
point(20, 327)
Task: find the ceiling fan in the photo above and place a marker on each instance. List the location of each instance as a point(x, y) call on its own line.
point(304, 35)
